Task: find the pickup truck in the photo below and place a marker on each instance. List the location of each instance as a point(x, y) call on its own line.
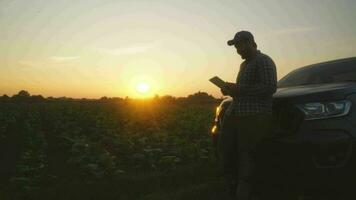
point(313, 149)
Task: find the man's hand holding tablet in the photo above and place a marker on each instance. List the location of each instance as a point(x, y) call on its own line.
point(225, 87)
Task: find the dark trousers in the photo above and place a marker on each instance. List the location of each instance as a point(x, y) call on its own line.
point(239, 138)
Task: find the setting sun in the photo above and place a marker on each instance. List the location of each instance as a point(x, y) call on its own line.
point(142, 88)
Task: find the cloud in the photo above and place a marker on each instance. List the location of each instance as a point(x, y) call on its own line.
point(63, 58)
point(134, 49)
point(30, 63)
point(50, 61)
point(289, 31)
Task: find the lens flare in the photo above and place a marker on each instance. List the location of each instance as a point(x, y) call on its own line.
point(142, 88)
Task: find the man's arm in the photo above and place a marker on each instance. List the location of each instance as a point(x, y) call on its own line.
point(230, 89)
point(267, 84)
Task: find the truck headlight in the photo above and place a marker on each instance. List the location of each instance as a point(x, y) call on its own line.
point(322, 110)
point(217, 113)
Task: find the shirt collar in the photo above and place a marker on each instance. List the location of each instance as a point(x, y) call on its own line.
point(257, 52)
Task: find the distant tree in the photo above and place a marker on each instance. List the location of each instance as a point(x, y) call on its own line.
point(167, 98)
point(104, 98)
point(24, 93)
point(110, 99)
point(63, 99)
point(116, 99)
point(22, 96)
point(50, 98)
point(201, 97)
point(181, 99)
point(37, 98)
point(4, 98)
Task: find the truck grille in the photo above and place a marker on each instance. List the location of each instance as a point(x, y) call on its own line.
point(286, 118)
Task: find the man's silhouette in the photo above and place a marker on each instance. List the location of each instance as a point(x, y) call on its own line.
point(249, 117)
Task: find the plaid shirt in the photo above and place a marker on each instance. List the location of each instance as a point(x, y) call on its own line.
point(256, 82)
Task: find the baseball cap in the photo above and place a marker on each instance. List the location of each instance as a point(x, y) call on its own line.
point(241, 36)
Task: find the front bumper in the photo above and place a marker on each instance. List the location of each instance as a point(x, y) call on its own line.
point(312, 158)
point(316, 155)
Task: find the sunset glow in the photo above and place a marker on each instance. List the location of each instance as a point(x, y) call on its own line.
point(107, 47)
point(143, 88)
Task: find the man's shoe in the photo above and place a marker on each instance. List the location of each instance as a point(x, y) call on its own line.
point(243, 190)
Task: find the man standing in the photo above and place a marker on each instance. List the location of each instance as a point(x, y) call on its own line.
point(249, 116)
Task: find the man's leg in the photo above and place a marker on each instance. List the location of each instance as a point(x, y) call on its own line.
point(251, 131)
point(229, 156)
point(246, 165)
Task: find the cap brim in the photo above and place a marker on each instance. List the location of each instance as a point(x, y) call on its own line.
point(231, 42)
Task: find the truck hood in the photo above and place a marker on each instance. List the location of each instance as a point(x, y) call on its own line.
point(318, 92)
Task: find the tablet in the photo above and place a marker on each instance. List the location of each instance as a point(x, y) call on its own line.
point(218, 82)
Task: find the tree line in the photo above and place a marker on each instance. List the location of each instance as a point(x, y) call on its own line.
point(24, 96)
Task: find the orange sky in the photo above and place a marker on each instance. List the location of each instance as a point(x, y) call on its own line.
point(107, 47)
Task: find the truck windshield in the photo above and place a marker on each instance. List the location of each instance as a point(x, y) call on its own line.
point(329, 72)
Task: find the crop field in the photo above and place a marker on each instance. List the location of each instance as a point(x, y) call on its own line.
point(128, 149)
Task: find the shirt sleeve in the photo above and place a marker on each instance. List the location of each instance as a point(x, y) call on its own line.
point(266, 83)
